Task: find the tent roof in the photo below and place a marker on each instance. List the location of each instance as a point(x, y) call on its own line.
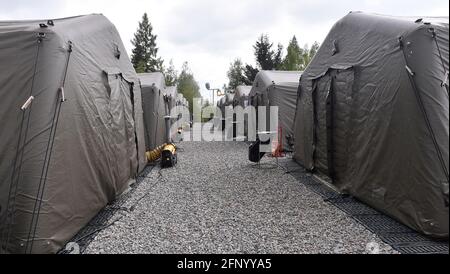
point(79, 30)
point(172, 91)
point(265, 78)
point(243, 90)
point(221, 101)
point(64, 27)
point(153, 79)
point(379, 31)
point(229, 98)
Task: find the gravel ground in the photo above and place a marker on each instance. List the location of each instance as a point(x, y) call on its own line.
point(215, 201)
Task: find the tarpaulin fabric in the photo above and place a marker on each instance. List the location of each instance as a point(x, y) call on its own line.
point(228, 104)
point(278, 88)
point(373, 115)
point(172, 97)
point(153, 87)
point(222, 104)
point(241, 99)
point(173, 106)
point(241, 96)
point(61, 162)
point(229, 99)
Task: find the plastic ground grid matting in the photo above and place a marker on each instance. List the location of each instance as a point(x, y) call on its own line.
point(402, 238)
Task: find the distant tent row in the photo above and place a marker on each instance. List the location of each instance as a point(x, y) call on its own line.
point(153, 87)
point(73, 135)
point(241, 98)
point(158, 102)
point(270, 89)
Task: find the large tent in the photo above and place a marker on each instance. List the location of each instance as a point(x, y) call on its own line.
point(173, 105)
point(241, 99)
point(220, 116)
point(373, 115)
point(278, 88)
point(229, 99)
point(171, 98)
point(72, 134)
point(241, 96)
point(153, 87)
point(183, 102)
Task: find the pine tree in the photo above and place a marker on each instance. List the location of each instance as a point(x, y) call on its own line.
point(171, 75)
point(187, 85)
point(236, 74)
point(266, 57)
point(144, 54)
point(298, 58)
point(278, 58)
point(294, 59)
point(311, 53)
point(264, 53)
point(250, 74)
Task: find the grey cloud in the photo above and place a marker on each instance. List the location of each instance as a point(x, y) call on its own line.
point(218, 24)
point(211, 33)
point(318, 11)
point(27, 9)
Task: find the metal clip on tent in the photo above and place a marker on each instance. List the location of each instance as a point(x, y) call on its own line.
point(40, 36)
point(27, 103)
point(432, 31)
point(445, 80)
point(63, 97)
point(335, 49)
point(70, 46)
point(410, 71)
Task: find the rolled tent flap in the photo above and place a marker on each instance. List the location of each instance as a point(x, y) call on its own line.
point(373, 114)
point(80, 142)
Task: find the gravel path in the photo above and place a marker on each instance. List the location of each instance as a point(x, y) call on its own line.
point(214, 201)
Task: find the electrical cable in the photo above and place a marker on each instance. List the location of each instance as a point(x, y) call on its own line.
point(48, 154)
point(16, 179)
point(424, 113)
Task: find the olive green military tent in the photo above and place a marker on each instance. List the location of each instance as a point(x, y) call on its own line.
point(373, 114)
point(241, 96)
point(278, 89)
point(72, 134)
point(154, 104)
point(173, 106)
point(241, 99)
point(171, 97)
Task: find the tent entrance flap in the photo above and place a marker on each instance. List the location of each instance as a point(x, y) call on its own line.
point(332, 110)
point(121, 121)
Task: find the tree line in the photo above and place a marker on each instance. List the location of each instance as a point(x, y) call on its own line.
point(267, 57)
point(145, 59)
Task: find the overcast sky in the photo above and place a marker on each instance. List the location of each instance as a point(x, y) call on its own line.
point(209, 34)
